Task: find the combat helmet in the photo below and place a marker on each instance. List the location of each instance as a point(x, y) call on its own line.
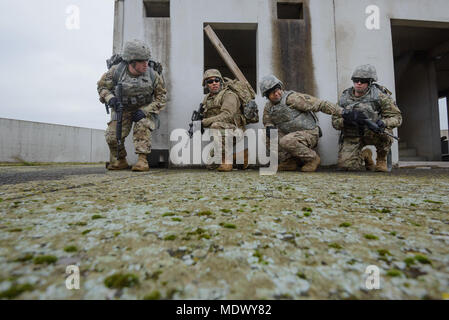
point(269, 82)
point(366, 71)
point(136, 50)
point(211, 73)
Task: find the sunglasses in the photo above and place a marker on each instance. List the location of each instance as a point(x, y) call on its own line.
point(210, 81)
point(359, 80)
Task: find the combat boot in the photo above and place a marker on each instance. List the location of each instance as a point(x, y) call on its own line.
point(142, 164)
point(367, 156)
point(120, 164)
point(381, 163)
point(224, 167)
point(243, 166)
point(312, 165)
point(288, 165)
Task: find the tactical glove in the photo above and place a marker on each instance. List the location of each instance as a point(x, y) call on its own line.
point(381, 125)
point(138, 115)
point(113, 103)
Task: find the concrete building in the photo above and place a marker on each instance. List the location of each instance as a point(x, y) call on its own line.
point(312, 45)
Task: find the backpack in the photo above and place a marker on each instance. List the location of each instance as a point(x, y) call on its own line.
point(117, 59)
point(246, 95)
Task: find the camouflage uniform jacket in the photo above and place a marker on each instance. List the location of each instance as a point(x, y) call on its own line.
point(386, 107)
point(304, 103)
point(105, 88)
point(222, 107)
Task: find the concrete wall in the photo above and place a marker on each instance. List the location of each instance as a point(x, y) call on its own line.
point(357, 45)
point(338, 37)
point(419, 96)
point(42, 142)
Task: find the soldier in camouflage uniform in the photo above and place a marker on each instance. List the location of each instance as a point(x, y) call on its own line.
point(222, 110)
point(366, 100)
point(293, 114)
point(143, 97)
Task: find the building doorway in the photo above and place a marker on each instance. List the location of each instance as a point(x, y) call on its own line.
point(421, 58)
point(240, 39)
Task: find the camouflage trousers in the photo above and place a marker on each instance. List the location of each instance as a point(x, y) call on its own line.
point(221, 128)
point(141, 135)
point(350, 153)
point(298, 145)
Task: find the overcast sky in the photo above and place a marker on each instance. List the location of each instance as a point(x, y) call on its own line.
point(49, 72)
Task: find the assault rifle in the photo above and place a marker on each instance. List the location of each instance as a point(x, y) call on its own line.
point(197, 115)
point(119, 114)
point(371, 125)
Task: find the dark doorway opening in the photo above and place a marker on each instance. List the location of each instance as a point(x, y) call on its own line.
point(240, 39)
point(421, 58)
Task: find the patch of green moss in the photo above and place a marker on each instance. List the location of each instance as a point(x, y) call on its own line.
point(384, 210)
point(80, 223)
point(116, 234)
point(307, 209)
point(71, 249)
point(345, 225)
point(371, 237)
point(119, 281)
point(170, 237)
point(301, 275)
point(414, 223)
point(154, 295)
point(203, 236)
point(225, 210)
point(422, 259)
point(394, 273)
point(335, 246)
point(169, 214)
point(16, 290)
point(434, 202)
point(393, 233)
point(228, 225)
point(155, 275)
point(97, 216)
point(45, 259)
point(352, 262)
point(148, 212)
point(384, 252)
point(306, 214)
point(205, 213)
point(24, 258)
point(176, 219)
point(226, 198)
point(412, 204)
point(86, 232)
point(15, 230)
point(59, 209)
point(409, 261)
point(1, 200)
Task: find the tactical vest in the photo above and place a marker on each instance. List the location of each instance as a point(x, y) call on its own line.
point(137, 91)
point(288, 119)
point(212, 107)
point(369, 104)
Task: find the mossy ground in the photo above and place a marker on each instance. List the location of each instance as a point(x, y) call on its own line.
point(197, 234)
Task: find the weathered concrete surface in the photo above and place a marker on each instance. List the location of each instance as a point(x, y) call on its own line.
point(299, 236)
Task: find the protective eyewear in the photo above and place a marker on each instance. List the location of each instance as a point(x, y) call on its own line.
point(210, 81)
point(362, 81)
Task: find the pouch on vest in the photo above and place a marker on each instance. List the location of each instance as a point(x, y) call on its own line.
point(246, 95)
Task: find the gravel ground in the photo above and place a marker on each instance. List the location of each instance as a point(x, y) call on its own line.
point(197, 234)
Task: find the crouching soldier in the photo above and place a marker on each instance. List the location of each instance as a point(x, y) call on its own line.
point(293, 114)
point(143, 96)
point(221, 111)
point(366, 100)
